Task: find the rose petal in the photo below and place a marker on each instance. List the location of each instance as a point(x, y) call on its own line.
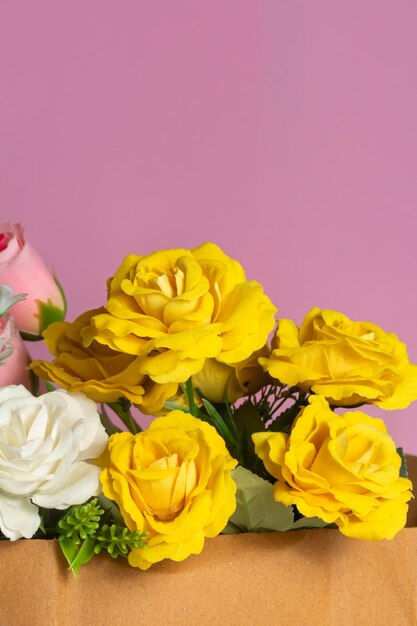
point(18, 517)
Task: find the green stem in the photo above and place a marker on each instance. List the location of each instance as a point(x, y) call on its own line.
point(284, 421)
point(126, 417)
point(173, 406)
point(189, 394)
point(111, 428)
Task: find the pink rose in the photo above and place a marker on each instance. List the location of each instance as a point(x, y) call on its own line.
point(23, 269)
point(14, 357)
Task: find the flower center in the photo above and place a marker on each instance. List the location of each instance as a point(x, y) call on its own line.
point(164, 285)
point(167, 494)
point(170, 286)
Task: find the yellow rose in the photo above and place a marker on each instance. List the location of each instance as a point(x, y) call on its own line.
point(172, 481)
point(347, 362)
point(176, 308)
point(342, 468)
point(104, 375)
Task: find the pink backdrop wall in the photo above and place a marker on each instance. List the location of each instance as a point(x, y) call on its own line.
point(284, 131)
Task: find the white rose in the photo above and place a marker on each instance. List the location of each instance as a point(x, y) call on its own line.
point(46, 444)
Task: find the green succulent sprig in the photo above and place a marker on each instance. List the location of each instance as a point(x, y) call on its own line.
point(81, 521)
point(83, 533)
point(118, 540)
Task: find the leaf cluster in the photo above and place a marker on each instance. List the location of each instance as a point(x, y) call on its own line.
point(84, 533)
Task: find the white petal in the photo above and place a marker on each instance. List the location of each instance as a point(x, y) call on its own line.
point(77, 486)
point(17, 425)
point(39, 427)
point(94, 438)
point(24, 405)
point(13, 391)
point(21, 484)
point(99, 439)
point(18, 517)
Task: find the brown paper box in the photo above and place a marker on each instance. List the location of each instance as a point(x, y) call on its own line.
point(295, 578)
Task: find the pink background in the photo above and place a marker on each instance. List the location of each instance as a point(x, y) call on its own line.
point(285, 131)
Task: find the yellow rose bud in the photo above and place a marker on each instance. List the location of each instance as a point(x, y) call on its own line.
point(176, 308)
point(220, 382)
point(250, 374)
point(342, 468)
point(347, 362)
point(172, 481)
point(101, 373)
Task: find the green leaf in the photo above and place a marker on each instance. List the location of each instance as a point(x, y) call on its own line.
point(69, 549)
point(173, 406)
point(231, 529)
point(284, 421)
point(217, 420)
point(62, 292)
point(77, 556)
point(111, 428)
point(248, 419)
point(48, 313)
point(189, 392)
point(256, 509)
point(111, 508)
point(309, 522)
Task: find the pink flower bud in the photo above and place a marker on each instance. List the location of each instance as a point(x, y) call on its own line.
point(22, 268)
point(14, 357)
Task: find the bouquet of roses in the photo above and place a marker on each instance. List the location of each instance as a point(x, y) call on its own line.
point(248, 435)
